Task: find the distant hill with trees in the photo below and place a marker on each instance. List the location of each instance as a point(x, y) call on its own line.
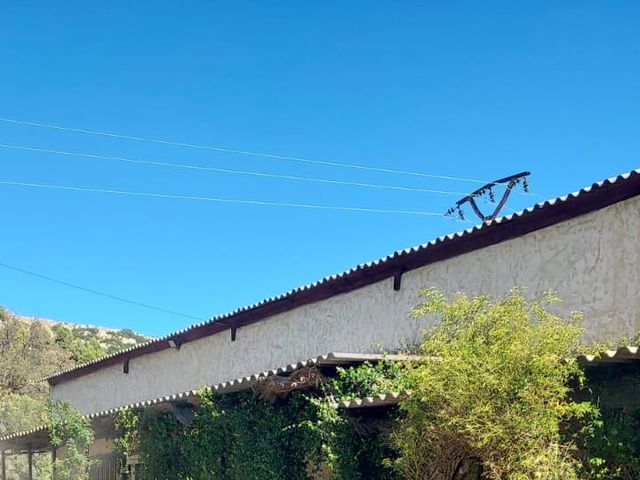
point(31, 349)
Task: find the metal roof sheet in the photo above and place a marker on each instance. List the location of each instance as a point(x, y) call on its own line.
point(333, 359)
point(624, 354)
point(384, 400)
point(598, 195)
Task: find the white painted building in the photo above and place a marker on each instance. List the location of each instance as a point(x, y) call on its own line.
point(585, 246)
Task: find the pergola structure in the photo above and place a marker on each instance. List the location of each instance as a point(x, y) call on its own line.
point(26, 443)
point(37, 441)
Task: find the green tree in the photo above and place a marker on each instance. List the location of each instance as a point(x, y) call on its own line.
point(81, 348)
point(19, 412)
point(494, 392)
point(27, 353)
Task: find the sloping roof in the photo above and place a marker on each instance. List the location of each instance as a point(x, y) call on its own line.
point(598, 195)
point(625, 354)
point(377, 401)
point(38, 438)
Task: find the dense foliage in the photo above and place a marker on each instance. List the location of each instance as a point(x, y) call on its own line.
point(69, 429)
point(29, 350)
point(613, 446)
point(370, 379)
point(81, 349)
point(239, 436)
point(26, 349)
point(85, 344)
point(495, 392)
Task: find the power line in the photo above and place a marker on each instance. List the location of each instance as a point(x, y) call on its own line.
point(238, 152)
point(97, 292)
point(226, 170)
point(219, 200)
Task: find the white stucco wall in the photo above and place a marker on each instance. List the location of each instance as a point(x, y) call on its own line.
point(591, 261)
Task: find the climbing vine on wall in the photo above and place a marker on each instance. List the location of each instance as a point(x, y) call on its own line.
point(612, 448)
point(72, 432)
point(370, 379)
point(498, 395)
point(239, 436)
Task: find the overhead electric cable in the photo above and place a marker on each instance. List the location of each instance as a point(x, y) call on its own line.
point(97, 292)
point(238, 151)
point(227, 170)
point(219, 200)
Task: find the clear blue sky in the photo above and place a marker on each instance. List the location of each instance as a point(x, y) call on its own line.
point(469, 89)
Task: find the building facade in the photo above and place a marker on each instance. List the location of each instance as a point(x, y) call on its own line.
point(584, 246)
point(588, 253)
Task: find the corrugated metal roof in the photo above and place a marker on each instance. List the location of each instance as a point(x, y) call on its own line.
point(242, 384)
point(598, 195)
point(624, 354)
point(384, 400)
point(25, 433)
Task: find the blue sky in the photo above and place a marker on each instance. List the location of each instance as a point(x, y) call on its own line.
point(469, 89)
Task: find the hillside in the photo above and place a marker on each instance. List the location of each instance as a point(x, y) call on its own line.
point(31, 349)
point(88, 342)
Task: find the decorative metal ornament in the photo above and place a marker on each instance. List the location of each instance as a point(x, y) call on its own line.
point(488, 189)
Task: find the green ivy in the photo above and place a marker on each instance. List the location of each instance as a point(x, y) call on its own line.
point(370, 379)
point(70, 430)
point(240, 437)
point(499, 389)
point(611, 446)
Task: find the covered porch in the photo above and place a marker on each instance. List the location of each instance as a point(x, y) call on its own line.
point(26, 449)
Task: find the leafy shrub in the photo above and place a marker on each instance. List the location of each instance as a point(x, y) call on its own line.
point(81, 347)
point(72, 431)
point(370, 379)
point(496, 393)
point(240, 437)
point(612, 447)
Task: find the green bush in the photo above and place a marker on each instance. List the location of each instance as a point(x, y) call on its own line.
point(240, 437)
point(81, 348)
point(494, 393)
point(370, 379)
point(612, 447)
point(70, 430)
point(498, 396)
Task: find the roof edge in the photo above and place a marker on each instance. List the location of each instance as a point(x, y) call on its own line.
point(595, 197)
point(621, 355)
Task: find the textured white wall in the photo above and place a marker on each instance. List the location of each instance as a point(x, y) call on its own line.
point(591, 261)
